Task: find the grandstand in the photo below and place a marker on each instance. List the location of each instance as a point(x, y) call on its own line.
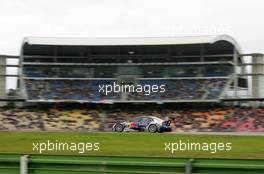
point(60, 77)
point(192, 69)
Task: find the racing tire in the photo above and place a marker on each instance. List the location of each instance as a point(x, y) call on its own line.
point(152, 128)
point(119, 127)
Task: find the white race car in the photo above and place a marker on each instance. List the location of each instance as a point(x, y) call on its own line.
point(143, 123)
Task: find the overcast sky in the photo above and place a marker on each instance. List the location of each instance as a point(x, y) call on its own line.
point(242, 19)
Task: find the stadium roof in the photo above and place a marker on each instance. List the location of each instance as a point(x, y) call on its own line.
point(130, 41)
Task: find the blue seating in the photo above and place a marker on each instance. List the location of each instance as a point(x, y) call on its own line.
point(88, 90)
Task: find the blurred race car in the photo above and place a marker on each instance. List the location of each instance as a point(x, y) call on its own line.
point(143, 123)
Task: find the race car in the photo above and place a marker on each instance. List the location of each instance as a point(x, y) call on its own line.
point(143, 123)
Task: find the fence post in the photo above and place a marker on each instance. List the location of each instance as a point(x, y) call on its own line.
point(24, 164)
point(188, 166)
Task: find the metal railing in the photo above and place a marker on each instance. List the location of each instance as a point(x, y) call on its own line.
point(64, 164)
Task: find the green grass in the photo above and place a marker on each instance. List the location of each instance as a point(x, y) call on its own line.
point(134, 144)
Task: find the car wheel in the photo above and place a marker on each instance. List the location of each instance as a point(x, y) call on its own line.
point(152, 128)
point(119, 127)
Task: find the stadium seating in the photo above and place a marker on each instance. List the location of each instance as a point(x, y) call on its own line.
point(183, 89)
point(20, 119)
point(73, 120)
point(210, 119)
point(53, 119)
point(149, 71)
point(88, 90)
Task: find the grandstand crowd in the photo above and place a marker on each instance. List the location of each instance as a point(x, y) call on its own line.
point(149, 71)
point(184, 82)
point(88, 90)
point(200, 119)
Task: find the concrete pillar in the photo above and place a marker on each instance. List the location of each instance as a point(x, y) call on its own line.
point(258, 80)
point(2, 78)
point(235, 61)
